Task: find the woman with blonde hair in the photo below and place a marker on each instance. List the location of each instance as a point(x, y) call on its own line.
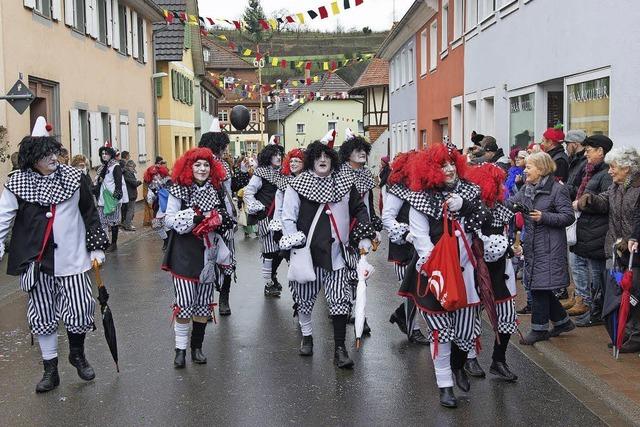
point(547, 210)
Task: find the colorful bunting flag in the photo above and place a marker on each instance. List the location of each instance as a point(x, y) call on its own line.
point(211, 21)
point(346, 4)
point(325, 66)
point(359, 2)
point(274, 62)
point(290, 19)
point(283, 63)
point(312, 14)
point(246, 52)
point(334, 8)
point(264, 24)
point(300, 17)
point(323, 12)
point(222, 37)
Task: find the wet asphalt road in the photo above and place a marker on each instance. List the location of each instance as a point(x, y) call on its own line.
point(254, 375)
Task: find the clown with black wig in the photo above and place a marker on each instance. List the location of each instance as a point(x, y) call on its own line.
point(318, 208)
point(218, 142)
point(437, 180)
point(260, 200)
point(112, 193)
point(490, 178)
point(57, 236)
point(395, 218)
point(196, 253)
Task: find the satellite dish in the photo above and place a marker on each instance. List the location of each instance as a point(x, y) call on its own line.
point(240, 117)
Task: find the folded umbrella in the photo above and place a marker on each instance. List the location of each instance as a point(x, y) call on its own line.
point(364, 271)
point(107, 317)
point(626, 283)
point(485, 287)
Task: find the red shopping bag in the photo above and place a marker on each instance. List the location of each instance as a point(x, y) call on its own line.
point(443, 269)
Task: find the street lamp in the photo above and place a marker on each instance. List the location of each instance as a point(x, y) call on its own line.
point(259, 64)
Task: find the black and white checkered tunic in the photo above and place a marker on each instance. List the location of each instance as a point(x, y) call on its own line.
point(205, 198)
point(337, 291)
point(66, 298)
point(192, 299)
point(363, 178)
point(330, 189)
point(500, 215)
point(32, 187)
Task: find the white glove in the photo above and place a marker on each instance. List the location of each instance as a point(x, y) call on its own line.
point(365, 245)
point(422, 260)
point(1, 250)
point(97, 256)
point(378, 237)
point(455, 202)
point(410, 238)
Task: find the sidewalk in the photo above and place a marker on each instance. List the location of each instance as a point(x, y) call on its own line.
point(10, 284)
point(582, 363)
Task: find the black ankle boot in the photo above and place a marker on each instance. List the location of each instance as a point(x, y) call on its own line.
point(277, 284)
point(165, 243)
point(77, 359)
point(197, 356)
point(398, 317)
point(462, 381)
point(473, 368)
point(180, 360)
point(417, 337)
point(366, 329)
point(223, 304)
point(50, 378)
point(342, 359)
point(306, 346)
point(501, 369)
point(447, 398)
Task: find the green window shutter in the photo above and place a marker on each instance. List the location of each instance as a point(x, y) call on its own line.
point(187, 36)
point(190, 92)
point(174, 85)
point(158, 88)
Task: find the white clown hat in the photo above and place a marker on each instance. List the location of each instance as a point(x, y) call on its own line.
point(274, 140)
point(40, 127)
point(215, 126)
point(329, 138)
point(348, 134)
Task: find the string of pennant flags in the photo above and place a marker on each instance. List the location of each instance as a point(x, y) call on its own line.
point(266, 24)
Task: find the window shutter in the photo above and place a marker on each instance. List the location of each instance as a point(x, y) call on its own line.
point(115, 11)
point(124, 132)
point(159, 88)
point(95, 130)
point(129, 33)
point(88, 17)
point(187, 36)
point(113, 126)
point(30, 3)
point(134, 27)
point(74, 125)
point(95, 25)
point(142, 140)
point(56, 10)
point(109, 22)
point(174, 89)
point(145, 42)
point(69, 12)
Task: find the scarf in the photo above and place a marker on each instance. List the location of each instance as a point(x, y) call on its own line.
point(589, 170)
point(530, 190)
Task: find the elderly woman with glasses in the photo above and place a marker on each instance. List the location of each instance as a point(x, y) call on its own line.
point(620, 201)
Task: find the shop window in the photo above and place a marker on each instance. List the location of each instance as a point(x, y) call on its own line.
point(521, 120)
point(588, 106)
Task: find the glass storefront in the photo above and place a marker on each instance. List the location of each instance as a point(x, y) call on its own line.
point(521, 120)
point(588, 106)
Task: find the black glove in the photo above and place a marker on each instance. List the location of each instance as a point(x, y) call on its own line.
point(285, 254)
point(277, 235)
point(117, 194)
point(197, 219)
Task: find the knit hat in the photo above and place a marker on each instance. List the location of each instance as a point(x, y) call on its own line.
point(489, 143)
point(599, 141)
point(476, 138)
point(554, 134)
point(575, 136)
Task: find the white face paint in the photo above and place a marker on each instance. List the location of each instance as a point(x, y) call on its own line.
point(450, 173)
point(322, 165)
point(201, 170)
point(47, 165)
point(276, 161)
point(105, 156)
point(358, 157)
point(295, 164)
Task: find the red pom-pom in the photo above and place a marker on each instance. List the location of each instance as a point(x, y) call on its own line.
point(48, 127)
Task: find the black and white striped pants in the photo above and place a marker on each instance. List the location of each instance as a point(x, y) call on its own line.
point(267, 242)
point(228, 240)
point(337, 291)
point(461, 326)
point(66, 298)
point(400, 270)
point(192, 298)
point(507, 317)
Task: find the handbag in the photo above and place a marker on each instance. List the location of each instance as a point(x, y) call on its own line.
point(110, 202)
point(301, 263)
point(443, 269)
point(29, 279)
point(572, 235)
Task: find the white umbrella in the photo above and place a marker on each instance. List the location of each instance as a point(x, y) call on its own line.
point(364, 271)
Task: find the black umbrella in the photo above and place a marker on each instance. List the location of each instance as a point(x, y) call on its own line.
point(107, 317)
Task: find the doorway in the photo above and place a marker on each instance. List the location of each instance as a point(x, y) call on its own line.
point(46, 104)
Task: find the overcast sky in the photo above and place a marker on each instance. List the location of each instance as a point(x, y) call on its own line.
point(376, 14)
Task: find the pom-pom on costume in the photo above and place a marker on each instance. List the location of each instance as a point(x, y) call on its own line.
point(192, 256)
point(331, 203)
point(260, 200)
point(56, 236)
point(493, 233)
point(436, 177)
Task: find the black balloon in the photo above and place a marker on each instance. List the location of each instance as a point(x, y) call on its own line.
point(240, 117)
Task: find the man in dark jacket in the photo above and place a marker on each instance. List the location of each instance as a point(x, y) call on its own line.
point(132, 182)
point(587, 255)
point(577, 160)
point(552, 140)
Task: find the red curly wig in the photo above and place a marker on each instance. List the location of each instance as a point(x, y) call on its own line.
point(425, 167)
point(400, 169)
point(183, 168)
point(490, 178)
point(295, 153)
point(155, 170)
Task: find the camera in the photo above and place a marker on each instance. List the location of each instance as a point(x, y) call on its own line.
point(519, 207)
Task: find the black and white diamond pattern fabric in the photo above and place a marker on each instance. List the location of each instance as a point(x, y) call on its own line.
point(270, 174)
point(204, 198)
point(45, 190)
point(329, 189)
point(363, 178)
point(500, 216)
point(226, 167)
point(400, 191)
point(284, 182)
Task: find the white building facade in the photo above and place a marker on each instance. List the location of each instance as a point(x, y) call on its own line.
point(530, 64)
